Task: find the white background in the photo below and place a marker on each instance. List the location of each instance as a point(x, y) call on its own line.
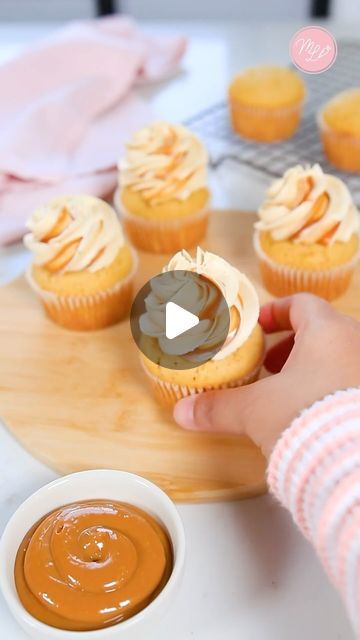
point(250, 575)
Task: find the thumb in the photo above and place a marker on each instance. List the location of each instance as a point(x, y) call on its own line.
point(256, 410)
point(228, 410)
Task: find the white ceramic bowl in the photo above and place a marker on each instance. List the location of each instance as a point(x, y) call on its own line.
point(113, 485)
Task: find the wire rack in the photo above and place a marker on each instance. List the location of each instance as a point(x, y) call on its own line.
point(213, 126)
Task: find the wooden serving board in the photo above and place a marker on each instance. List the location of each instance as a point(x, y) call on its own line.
point(81, 401)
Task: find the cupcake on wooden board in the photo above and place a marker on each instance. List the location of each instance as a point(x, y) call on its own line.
point(307, 238)
point(339, 123)
point(163, 194)
point(240, 358)
point(82, 268)
point(266, 103)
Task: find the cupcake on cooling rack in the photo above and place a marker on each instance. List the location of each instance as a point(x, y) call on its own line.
point(163, 194)
point(266, 103)
point(307, 237)
point(240, 357)
point(339, 123)
point(82, 268)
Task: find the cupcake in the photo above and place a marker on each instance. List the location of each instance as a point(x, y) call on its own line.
point(339, 123)
point(307, 238)
point(266, 103)
point(240, 357)
point(163, 195)
point(82, 268)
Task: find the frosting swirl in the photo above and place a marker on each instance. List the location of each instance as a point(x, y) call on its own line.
point(73, 233)
point(91, 564)
point(162, 162)
point(237, 291)
point(205, 301)
point(309, 206)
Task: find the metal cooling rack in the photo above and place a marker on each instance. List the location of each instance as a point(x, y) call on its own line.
point(213, 126)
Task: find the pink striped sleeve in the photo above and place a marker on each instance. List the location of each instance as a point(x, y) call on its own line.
point(314, 471)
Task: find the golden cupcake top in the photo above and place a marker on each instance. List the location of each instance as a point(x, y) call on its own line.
point(163, 162)
point(308, 206)
point(342, 112)
point(239, 294)
point(91, 564)
point(74, 233)
point(267, 86)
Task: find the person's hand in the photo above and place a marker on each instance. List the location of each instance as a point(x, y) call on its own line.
point(320, 357)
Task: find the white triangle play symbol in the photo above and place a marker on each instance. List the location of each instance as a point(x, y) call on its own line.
point(178, 320)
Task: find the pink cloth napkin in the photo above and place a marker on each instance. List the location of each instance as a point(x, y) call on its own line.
point(68, 107)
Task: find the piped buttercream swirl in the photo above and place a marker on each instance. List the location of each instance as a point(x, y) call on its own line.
point(74, 233)
point(162, 162)
point(307, 206)
point(238, 292)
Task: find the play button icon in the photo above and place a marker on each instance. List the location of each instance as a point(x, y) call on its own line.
point(180, 319)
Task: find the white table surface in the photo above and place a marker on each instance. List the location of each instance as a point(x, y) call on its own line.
point(249, 572)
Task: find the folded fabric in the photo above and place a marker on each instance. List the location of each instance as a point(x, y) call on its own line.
point(68, 106)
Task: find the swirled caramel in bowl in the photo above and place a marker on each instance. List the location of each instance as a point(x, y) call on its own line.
point(92, 564)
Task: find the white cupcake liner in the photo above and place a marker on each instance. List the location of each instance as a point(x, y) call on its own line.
point(88, 311)
point(163, 236)
point(339, 148)
point(169, 393)
point(323, 126)
point(282, 280)
point(276, 112)
point(265, 124)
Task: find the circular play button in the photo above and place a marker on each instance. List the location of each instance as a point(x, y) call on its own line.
point(180, 319)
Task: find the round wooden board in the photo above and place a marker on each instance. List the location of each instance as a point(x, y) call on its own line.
point(81, 401)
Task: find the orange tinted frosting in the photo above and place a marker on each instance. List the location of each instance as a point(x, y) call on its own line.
point(74, 233)
point(306, 206)
point(163, 162)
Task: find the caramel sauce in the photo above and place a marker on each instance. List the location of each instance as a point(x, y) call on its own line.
point(64, 255)
point(59, 226)
point(329, 234)
point(317, 212)
point(89, 565)
point(304, 190)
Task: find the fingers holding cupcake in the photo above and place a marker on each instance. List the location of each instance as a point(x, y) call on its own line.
point(235, 362)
